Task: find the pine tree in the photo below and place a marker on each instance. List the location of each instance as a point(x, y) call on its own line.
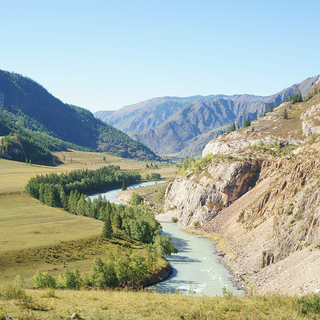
point(41, 192)
point(117, 221)
point(107, 229)
point(124, 186)
point(285, 114)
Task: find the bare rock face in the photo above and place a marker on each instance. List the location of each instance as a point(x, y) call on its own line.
point(311, 120)
point(199, 197)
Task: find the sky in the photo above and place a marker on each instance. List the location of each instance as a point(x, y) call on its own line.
point(103, 55)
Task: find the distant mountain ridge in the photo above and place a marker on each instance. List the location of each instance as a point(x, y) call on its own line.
point(183, 126)
point(32, 108)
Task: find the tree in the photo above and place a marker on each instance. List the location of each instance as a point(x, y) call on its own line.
point(81, 206)
point(116, 222)
point(135, 199)
point(246, 122)
point(155, 176)
point(107, 229)
point(285, 114)
point(164, 245)
point(124, 186)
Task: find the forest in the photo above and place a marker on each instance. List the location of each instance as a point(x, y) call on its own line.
point(69, 191)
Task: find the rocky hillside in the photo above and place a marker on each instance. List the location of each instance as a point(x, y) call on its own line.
point(258, 189)
point(183, 126)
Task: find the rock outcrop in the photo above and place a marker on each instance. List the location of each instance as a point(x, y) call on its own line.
point(261, 193)
point(197, 198)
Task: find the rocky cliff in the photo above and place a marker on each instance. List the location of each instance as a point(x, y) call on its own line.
point(258, 189)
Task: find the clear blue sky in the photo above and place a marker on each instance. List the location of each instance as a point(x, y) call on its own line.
point(103, 55)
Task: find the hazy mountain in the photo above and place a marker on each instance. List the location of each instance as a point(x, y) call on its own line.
point(32, 108)
point(183, 126)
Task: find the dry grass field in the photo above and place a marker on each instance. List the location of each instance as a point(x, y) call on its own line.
point(120, 305)
point(15, 175)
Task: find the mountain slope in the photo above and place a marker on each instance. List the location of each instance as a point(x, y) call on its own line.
point(32, 107)
point(258, 189)
point(183, 126)
point(147, 114)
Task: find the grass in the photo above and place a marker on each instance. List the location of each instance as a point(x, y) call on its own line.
point(37, 237)
point(112, 304)
point(14, 175)
point(153, 196)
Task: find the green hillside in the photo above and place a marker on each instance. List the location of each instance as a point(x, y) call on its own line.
point(28, 108)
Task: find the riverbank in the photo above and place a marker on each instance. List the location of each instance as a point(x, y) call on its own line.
point(226, 257)
point(194, 253)
point(151, 192)
point(158, 277)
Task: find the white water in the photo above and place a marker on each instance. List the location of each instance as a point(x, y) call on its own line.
point(196, 269)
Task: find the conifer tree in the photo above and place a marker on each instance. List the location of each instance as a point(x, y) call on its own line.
point(107, 229)
point(124, 186)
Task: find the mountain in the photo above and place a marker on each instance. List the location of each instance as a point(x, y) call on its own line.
point(183, 126)
point(257, 190)
point(145, 115)
point(33, 109)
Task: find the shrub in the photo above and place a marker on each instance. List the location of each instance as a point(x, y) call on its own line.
point(43, 280)
point(195, 224)
point(174, 219)
point(309, 304)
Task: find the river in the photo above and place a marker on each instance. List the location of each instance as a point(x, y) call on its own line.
point(196, 267)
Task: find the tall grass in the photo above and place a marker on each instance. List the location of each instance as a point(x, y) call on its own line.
point(115, 304)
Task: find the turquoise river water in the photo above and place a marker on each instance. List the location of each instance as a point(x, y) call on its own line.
point(196, 267)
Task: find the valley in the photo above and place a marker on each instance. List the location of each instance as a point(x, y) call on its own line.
point(254, 192)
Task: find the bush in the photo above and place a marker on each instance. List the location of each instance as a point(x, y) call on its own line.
point(174, 219)
point(309, 304)
point(43, 280)
point(195, 224)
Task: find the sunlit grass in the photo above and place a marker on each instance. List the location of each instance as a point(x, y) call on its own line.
point(14, 175)
point(113, 304)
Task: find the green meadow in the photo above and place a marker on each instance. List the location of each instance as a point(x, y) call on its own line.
point(37, 237)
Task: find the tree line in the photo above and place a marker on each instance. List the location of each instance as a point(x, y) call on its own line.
point(57, 190)
point(125, 269)
point(68, 191)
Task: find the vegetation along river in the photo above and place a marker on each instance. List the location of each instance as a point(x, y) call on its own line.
point(196, 267)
